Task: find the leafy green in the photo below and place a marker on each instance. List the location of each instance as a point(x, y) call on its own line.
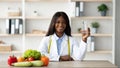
point(32, 53)
point(102, 7)
point(95, 24)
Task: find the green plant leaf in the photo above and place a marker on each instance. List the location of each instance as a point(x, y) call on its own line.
point(102, 7)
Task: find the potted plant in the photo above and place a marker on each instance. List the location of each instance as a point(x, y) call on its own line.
point(103, 9)
point(79, 30)
point(94, 26)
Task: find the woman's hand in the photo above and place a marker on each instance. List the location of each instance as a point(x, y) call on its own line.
point(66, 58)
point(85, 34)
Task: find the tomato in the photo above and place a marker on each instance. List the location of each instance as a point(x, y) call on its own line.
point(11, 59)
point(30, 59)
point(45, 60)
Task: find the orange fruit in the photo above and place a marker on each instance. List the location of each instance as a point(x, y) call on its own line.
point(45, 60)
point(20, 59)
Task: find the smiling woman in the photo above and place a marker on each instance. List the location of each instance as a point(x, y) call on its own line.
point(58, 44)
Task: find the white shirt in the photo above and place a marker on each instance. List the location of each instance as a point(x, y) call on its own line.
point(77, 51)
point(59, 41)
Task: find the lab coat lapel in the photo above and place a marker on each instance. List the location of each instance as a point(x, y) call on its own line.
point(64, 44)
point(54, 46)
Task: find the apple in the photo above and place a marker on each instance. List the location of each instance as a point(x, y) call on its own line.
point(12, 59)
point(30, 59)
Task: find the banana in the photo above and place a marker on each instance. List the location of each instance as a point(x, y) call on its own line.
point(37, 63)
point(22, 64)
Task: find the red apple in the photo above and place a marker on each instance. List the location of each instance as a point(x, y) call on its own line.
point(30, 59)
point(12, 59)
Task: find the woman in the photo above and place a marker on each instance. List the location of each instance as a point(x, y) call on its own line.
point(58, 44)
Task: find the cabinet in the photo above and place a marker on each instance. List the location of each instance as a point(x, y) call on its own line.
point(24, 41)
point(31, 23)
point(104, 39)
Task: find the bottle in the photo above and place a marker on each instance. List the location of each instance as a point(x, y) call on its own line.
point(92, 44)
point(84, 26)
point(89, 44)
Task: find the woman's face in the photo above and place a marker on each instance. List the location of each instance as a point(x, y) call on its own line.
point(60, 25)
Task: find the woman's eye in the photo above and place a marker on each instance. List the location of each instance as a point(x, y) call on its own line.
point(58, 22)
point(62, 22)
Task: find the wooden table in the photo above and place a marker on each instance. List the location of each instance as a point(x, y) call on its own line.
point(68, 64)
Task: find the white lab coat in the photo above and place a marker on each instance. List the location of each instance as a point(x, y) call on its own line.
point(77, 51)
